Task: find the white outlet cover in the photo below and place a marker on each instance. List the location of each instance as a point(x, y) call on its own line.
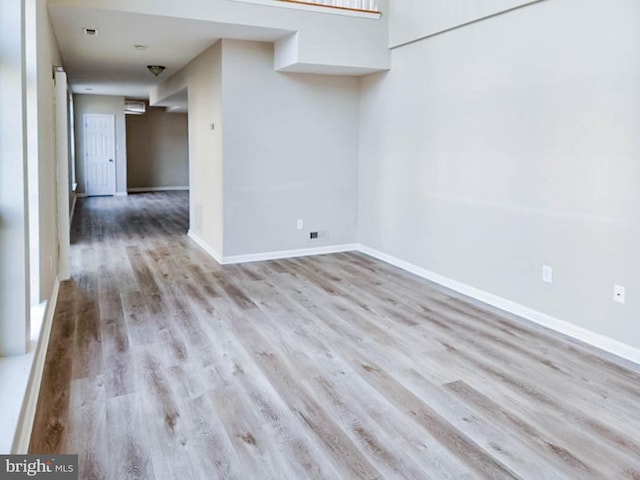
point(547, 274)
point(618, 293)
point(300, 224)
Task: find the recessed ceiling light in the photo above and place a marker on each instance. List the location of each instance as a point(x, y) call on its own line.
point(92, 32)
point(140, 47)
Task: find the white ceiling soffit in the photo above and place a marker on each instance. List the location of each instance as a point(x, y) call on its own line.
point(109, 64)
point(176, 103)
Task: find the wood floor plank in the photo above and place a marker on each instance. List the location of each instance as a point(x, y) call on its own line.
point(165, 421)
point(117, 360)
point(163, 364)
point(211, 444)
point(88, 399)
point(128, 443)
point(554, 455)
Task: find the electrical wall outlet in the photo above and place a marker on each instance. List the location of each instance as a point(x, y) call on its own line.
point(300, 224)
point(319, 235)
point(618, 293)
point(547, 274)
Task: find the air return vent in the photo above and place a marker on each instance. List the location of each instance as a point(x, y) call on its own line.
point(134, 107)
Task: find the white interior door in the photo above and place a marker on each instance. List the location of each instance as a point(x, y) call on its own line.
point(99, 154)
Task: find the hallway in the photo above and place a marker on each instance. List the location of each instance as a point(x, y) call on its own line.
point(163, 364)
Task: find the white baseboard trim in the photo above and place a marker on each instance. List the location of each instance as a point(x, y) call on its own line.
point(155, 189)
point(302, 252)
point(28, 413)
point(121, 194)
point(261, 257)
point(595, 339)
point(205, 246)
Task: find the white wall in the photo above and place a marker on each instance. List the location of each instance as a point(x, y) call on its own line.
point(203, 77)
point(47, 57)
point(290, 152)
point(157, 149)
point(101, 104)
point(495, 148)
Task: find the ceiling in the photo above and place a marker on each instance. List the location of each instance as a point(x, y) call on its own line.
point(109, 63)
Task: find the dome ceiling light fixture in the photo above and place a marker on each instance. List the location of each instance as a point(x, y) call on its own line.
point(156, 69)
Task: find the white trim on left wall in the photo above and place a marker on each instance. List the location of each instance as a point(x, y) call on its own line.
point(28, 413)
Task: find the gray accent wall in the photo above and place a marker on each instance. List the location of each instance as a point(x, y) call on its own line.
point(157, 149)
point(494, 148)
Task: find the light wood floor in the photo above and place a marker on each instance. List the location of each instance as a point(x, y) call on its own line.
point(163, 364)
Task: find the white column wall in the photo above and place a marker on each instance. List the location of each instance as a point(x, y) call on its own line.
point(14, 242)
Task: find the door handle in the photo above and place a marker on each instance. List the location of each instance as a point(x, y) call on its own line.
point(111, 160)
